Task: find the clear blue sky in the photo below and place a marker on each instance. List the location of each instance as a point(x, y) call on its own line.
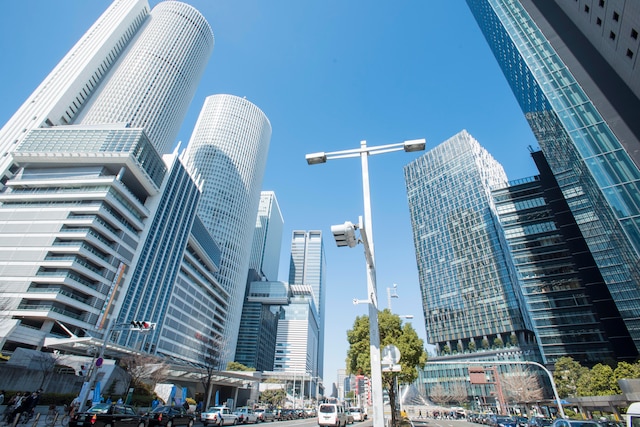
point(328, 74)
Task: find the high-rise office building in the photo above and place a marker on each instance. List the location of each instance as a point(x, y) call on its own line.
point(96, 183)
point(572, 67)
point(267, 237)
point(125, 45)
point(465, 276)
point(260, 311)
point(570, 307)
point(228, 148)
point(298, 333)
point(308, 267)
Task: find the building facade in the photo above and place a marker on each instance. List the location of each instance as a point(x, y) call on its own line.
point(570, 307)
point(83, 178)
point(267, 237)
point(567, 65)
point(466, 279)
point(308, 267)
point(228, 148)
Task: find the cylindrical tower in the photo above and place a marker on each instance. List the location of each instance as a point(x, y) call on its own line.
point(153, 84)
point(229, 148)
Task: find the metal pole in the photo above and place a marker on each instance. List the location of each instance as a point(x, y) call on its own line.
point(86, 388)
point(374, 333)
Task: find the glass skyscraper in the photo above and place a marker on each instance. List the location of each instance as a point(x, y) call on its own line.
point(466, 280)
point(308, 267)
point(228, 148)
point(570, 307)
point(561, 63)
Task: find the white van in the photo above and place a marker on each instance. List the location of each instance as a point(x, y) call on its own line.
point(633, 415)
point(331, 414)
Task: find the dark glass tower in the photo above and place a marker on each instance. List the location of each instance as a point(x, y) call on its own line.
point(569, 305)
point(580, 112)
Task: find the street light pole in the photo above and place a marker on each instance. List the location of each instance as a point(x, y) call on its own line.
point(366, 233)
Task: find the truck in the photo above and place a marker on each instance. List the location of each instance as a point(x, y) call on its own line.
point(633, 415)
point(219, 416)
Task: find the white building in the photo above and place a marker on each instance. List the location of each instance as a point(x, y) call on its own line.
point(228, 148)
point(78, 198)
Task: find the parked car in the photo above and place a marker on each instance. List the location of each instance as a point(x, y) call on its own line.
point(562, 422)
point(218, 416)
point(539, 422)
point(108, 415)
point(169, 416)
point(357, 413)
point(502, 421)
point(246, 415)
point(311, 412)
point(265, 415)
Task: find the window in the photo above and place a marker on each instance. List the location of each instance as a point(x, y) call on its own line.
point(586, 8)
point(634, 34)
point(616, 16)
point(612, 35)
point(599, 22)
point(601, 3)
point(629, 53)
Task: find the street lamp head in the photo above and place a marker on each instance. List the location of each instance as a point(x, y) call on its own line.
point(414, 145)
point(316, 158)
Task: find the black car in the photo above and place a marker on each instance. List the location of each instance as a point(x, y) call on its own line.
point(169, 416)
point(108, 415)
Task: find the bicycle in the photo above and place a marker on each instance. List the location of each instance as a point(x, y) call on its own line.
point(54, 415)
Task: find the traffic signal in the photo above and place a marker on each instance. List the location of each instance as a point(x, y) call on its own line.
point(142, 326)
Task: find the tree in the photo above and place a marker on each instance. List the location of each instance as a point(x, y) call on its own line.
point(211, 361)
point(521, 386)
point(459, 393)
point(392, 331)
point(144, 367)
point(47, 363)
point(274, 396)
point(237, 366)
point(626, 370)
point(566, 374)
point(439, 395)
point(599, 381)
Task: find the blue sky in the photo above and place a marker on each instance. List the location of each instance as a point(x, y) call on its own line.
point(327, 74)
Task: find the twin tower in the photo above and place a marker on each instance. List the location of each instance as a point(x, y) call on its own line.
point(101, 221)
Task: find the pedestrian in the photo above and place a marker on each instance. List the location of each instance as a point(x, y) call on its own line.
point(154, 403)
point(119, 402)
point(185, 405)
point(1, 397)
point(420, 414)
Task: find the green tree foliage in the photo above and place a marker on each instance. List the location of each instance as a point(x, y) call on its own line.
point(237, 366)
point(392, 331)
point(273, 397)
point(566, 374)
point(573, 379)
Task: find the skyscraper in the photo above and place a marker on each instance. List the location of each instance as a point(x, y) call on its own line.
point(308, 267)
point(570, 307)
point(152, 85)
point(97, 181)
point(267, 237)
point(228, 148)
point(560, 60)
point(466, 280)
